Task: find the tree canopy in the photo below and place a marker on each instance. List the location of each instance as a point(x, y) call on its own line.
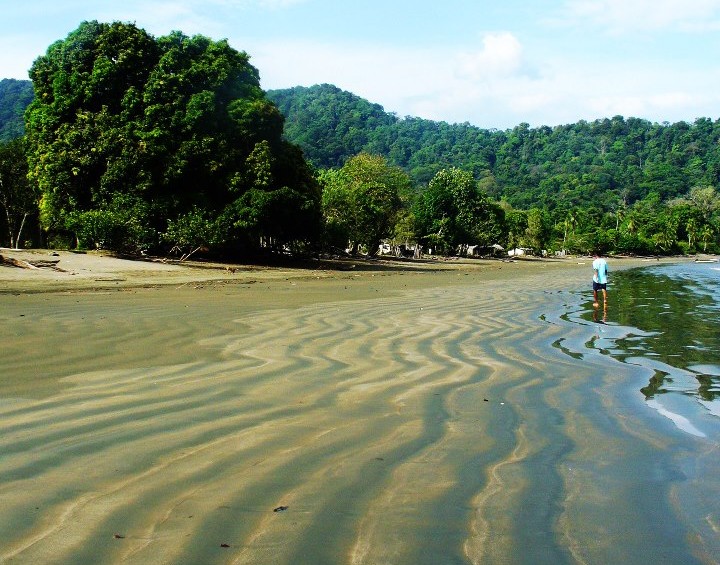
point(605, 163)
point(453, 212)
point(331, 125)
point(607, 183)
point(361, 201)
point(132, 135)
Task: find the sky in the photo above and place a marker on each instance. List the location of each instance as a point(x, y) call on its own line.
point(493, 64)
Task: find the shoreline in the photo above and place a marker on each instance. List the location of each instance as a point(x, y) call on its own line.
point(66, 271)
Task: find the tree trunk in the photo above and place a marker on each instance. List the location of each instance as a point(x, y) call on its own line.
point(19, 234)
point(9, 225)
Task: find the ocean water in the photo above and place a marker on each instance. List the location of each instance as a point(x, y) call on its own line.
point(666, 318)
point(653, 394)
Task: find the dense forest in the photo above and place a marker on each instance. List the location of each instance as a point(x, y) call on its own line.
point(602, 163)
point(126, 141)
point(15, 96)
point(626, 185)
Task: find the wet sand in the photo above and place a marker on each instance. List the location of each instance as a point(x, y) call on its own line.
point(154, 413)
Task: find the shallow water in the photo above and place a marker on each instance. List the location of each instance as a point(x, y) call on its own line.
point(475, 424)
point(670, 316)
point(662, 324)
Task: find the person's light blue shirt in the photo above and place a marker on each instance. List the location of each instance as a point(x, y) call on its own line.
point(600, 270)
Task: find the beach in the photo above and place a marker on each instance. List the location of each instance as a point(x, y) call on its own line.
point(348, 412)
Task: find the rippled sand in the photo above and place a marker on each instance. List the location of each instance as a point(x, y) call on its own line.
point(374, 421)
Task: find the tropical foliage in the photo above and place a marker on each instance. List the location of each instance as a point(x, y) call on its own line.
point(619, 184)
point(131, 136)
point(361, 201)
point(329, 124)
point(453, 212)
point(17, 197)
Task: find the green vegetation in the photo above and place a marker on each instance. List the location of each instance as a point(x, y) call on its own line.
point(138, 143)
point(134, 141)
point(453, 212)
point(623, 185)
point(15, 95)
point(361, 202)
point(17, 197)
point(329, 124)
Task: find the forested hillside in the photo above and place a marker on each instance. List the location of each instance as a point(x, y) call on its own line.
point(182, 149)
point(15, 95)
point(330, 125)
point(608, 163)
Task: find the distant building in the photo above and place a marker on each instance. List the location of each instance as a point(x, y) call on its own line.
point(484, 250)
point(520, 251)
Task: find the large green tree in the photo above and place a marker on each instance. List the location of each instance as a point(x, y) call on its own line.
point(361, 201)
point(141, 132)
point(453, 212)
point(538, 229)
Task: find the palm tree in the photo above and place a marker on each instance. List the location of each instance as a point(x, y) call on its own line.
point(667, 236)
point(570, 224)
point(691, 227)
point(630, 225)
point(706, 235)
point(619, 214)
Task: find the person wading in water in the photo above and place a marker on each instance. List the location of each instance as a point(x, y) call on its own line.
point(600, 279)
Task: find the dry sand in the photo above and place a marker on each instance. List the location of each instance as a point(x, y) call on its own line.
point(381, 412)
point(72, 271)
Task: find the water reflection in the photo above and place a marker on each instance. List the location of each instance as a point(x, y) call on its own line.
point(678, 310)
point(597, 318)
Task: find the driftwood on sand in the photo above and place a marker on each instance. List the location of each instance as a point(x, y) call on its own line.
point(30, 264)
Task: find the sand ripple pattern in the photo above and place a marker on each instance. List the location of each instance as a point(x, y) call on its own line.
point(441, 426)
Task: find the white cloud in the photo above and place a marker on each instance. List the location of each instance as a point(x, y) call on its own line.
point(160, 18)
point(675, 99)
point(501, 79)
point(483, 89)
point(501, 54)
point(204, 17)
point(278, 4)
point(620, 16)
point(245, 4)
point(369, 71)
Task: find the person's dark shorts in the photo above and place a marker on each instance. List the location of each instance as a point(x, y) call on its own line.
point(599, 286)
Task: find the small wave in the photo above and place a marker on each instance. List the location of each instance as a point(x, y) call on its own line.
point(680, 421)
